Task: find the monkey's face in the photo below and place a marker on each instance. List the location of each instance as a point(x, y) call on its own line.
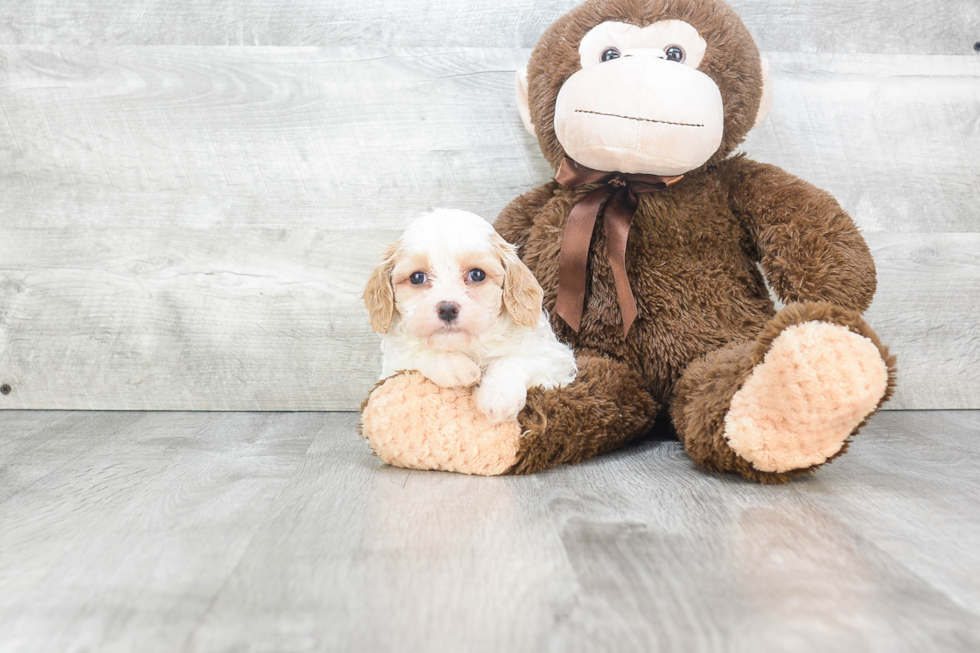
point(644, 87)
point(639, 104)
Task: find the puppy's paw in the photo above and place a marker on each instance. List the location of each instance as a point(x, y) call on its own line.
point(452, 371)
point(500, 400)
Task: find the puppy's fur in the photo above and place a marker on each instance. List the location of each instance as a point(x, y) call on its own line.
point(498, 336)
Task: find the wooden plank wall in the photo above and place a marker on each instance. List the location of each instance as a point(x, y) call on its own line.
point(192, 194)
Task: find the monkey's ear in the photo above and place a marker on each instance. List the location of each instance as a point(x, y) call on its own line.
point(766, 103)
point(522, 104)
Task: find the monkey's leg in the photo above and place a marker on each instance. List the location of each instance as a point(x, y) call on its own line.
point(604, 408)
point(785, 403)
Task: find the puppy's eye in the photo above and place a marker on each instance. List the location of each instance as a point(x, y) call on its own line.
point(674, 53)
point(417, 278)
point(610, 54)
point(476, 275)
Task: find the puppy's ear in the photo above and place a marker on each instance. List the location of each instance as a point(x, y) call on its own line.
point(522, 292)
point(379, 293)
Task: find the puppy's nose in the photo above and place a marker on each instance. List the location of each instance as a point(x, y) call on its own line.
point(448, 311)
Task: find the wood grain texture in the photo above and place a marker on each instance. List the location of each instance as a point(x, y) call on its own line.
point(878, 26)
point(891, 137)
point(189, 228)
point(927, 309)
point(266, 532)
point(128, 524)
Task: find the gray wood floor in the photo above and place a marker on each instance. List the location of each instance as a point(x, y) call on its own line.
point(279, 532)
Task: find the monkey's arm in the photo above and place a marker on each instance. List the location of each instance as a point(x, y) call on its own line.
point(808, 246)
point(515, 221)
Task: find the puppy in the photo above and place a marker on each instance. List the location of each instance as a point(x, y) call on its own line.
point(452, 301)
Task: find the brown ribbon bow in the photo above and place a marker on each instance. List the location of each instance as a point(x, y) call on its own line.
point(618, 194)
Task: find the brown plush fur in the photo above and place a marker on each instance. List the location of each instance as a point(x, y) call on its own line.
point(603, 409)
point(705, 316)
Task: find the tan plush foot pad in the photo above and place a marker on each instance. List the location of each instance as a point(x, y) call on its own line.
point(817, 383)
point(411, 422)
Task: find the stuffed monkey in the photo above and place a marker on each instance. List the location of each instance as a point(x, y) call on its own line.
point(653, 246)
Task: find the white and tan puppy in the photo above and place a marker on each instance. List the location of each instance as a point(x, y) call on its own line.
point(452, 301)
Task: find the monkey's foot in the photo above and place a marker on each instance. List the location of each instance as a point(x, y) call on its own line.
point(817, 383)
point(411, 422)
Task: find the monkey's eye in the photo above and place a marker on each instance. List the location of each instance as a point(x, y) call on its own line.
point(674, 53)
point(610, 54)
point(476, 275)
point(417, 278)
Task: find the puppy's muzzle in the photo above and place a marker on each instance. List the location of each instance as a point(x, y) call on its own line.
point(448, 311)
